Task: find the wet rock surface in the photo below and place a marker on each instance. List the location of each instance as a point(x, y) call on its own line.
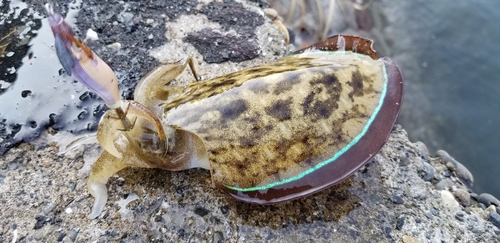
point(237, 42)
point(217, 47)
point(18, 26)
point(44, 197)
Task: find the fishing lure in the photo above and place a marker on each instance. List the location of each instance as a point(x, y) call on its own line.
point(87, 67)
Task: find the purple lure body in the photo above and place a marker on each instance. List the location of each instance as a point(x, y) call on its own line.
point(81, 62)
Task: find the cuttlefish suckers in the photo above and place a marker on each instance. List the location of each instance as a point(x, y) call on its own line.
point(267, 134)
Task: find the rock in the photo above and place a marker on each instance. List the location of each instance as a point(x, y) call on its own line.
point(460, 216)
point(218, 237)
point(397, 199)
point(448, 200)
point(201, 211)
point(488, 199)
point(444, 184)
point(40, 221)
point(271, 13)
point(481, 206)
point(491, 209)
point(409, 239)
point(47, 209)
point(387, 229)
point(427, 172)
point(461, 171)
point(423, 150)
point(125, 17)
point(462, 196)
point(495, 219)
point(114, 233)
point(73, 233)
point(61, 237)
point(92, 35)
point(224, 209)
point(114, 46)
point(404, 161)
point(400, 222)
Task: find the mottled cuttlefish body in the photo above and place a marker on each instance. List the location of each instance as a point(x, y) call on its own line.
point(267, 134)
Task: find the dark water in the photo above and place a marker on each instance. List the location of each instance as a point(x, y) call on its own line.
point(450, 56)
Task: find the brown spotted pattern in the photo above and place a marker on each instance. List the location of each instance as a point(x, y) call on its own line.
point(271, 122)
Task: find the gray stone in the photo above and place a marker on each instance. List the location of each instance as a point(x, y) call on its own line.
point(403, 161)
point(400, 222)
point(444, 184)
point(495, 219)
point(488, 199)
point(397, 199)
point(462, 196)
point(461, 171)
point(218, 237)
point(424, 151)
point(72, 234)
point(125, 17)
point(427, 172)
point(61, 236)
point(460, 216)
point(481, 206)
point(47, 209)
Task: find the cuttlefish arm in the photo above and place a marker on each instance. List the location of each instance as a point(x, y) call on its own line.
point(111, 125)
point(120, 148)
